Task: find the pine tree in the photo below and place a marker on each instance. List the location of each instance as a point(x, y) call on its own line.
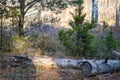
point(111, 42)
point(78, 39)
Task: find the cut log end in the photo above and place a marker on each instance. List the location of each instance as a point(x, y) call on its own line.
point(86, 69)
point(90, 68)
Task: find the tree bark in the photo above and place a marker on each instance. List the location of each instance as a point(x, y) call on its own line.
point(117, 13)
point(68, 62)
point(116, 54)
point(1, 31)
point(95, 12)
point(91, 67)
point(21, 19)
point(60, 62)
point(23, 10)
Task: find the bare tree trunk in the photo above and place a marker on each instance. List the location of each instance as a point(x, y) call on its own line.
point(1, 41)
point(21, 18)
point(95, 11)
point(117, 13)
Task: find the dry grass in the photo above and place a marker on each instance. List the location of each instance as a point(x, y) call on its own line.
point(43, 73)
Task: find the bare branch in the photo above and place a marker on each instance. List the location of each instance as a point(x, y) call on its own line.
point(29, 5)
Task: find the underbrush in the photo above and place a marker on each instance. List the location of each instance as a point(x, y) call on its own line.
point(42, 44)
point(47, 45)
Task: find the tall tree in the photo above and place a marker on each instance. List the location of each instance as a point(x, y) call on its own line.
point(95, 11)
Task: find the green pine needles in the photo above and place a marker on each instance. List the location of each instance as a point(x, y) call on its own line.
point(77, 40)
point(111, 42)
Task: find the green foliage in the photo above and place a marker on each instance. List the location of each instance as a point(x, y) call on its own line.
point(5, 41)
point(6, 44)
point(99, 47)
point(111, 42)
point(20, 43)
point(78, 39)
point(14, 13)
point(104, 45)
point(3, 13)
point(67, 40)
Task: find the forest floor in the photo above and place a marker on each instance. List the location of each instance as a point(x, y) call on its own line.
point(42, 73)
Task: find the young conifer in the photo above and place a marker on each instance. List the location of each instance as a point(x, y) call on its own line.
point(78, 39)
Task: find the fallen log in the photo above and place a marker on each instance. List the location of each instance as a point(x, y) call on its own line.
point(91, 67)
point(63, 62)
point(88, 67)
point(116, 54)
point(60, 62)
point(16, 61)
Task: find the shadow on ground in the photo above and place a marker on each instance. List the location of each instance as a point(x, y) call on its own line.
point(17, 68)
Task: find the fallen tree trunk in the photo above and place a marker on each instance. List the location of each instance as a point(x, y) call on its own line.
point(116, 54)
point(41, 61)
point(91, 67)
point(60, 62)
